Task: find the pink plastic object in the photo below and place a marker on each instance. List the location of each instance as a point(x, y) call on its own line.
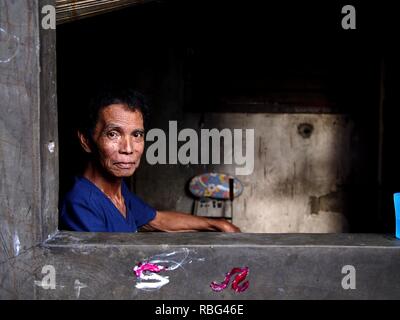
point(241, 275)
point(141, 267)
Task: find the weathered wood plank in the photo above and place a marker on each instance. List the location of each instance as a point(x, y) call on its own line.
point(28, 128)
point(20, 197)
point(48, 130)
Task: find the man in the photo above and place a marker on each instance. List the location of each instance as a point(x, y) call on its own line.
point(113, 138)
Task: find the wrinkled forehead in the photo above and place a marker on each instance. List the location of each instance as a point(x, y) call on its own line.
point(120, 114)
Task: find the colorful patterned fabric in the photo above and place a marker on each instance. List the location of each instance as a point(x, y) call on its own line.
point(214, 185)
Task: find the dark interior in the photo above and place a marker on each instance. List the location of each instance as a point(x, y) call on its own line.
point(283, 58)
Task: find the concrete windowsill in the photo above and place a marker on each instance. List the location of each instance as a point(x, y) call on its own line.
point(67, 239)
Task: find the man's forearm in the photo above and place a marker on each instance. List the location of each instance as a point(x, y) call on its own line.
point(171, 221)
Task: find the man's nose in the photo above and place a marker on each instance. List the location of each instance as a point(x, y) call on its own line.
point(127, 145)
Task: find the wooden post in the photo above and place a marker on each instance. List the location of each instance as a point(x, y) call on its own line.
point(28, 128)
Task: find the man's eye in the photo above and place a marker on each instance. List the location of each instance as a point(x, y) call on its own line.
point(112, 134)
point(138, 134)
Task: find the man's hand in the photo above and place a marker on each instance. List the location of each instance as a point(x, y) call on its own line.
point(225, 226)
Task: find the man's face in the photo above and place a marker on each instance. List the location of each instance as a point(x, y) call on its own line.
point(119, 139)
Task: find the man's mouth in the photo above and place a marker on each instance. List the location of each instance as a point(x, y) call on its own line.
point(124, 165)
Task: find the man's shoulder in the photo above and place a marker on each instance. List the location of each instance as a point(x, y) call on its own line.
point(81, 192)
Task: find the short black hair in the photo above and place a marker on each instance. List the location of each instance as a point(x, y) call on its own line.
point(104, 97)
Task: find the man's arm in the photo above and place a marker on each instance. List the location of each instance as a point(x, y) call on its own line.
point(170, 221)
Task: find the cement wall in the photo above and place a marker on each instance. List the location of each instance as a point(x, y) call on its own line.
point(296, 185)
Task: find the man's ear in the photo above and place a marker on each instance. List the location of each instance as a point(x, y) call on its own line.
point(84, 141)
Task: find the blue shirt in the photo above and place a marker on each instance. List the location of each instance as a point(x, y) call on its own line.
point(87, 208)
